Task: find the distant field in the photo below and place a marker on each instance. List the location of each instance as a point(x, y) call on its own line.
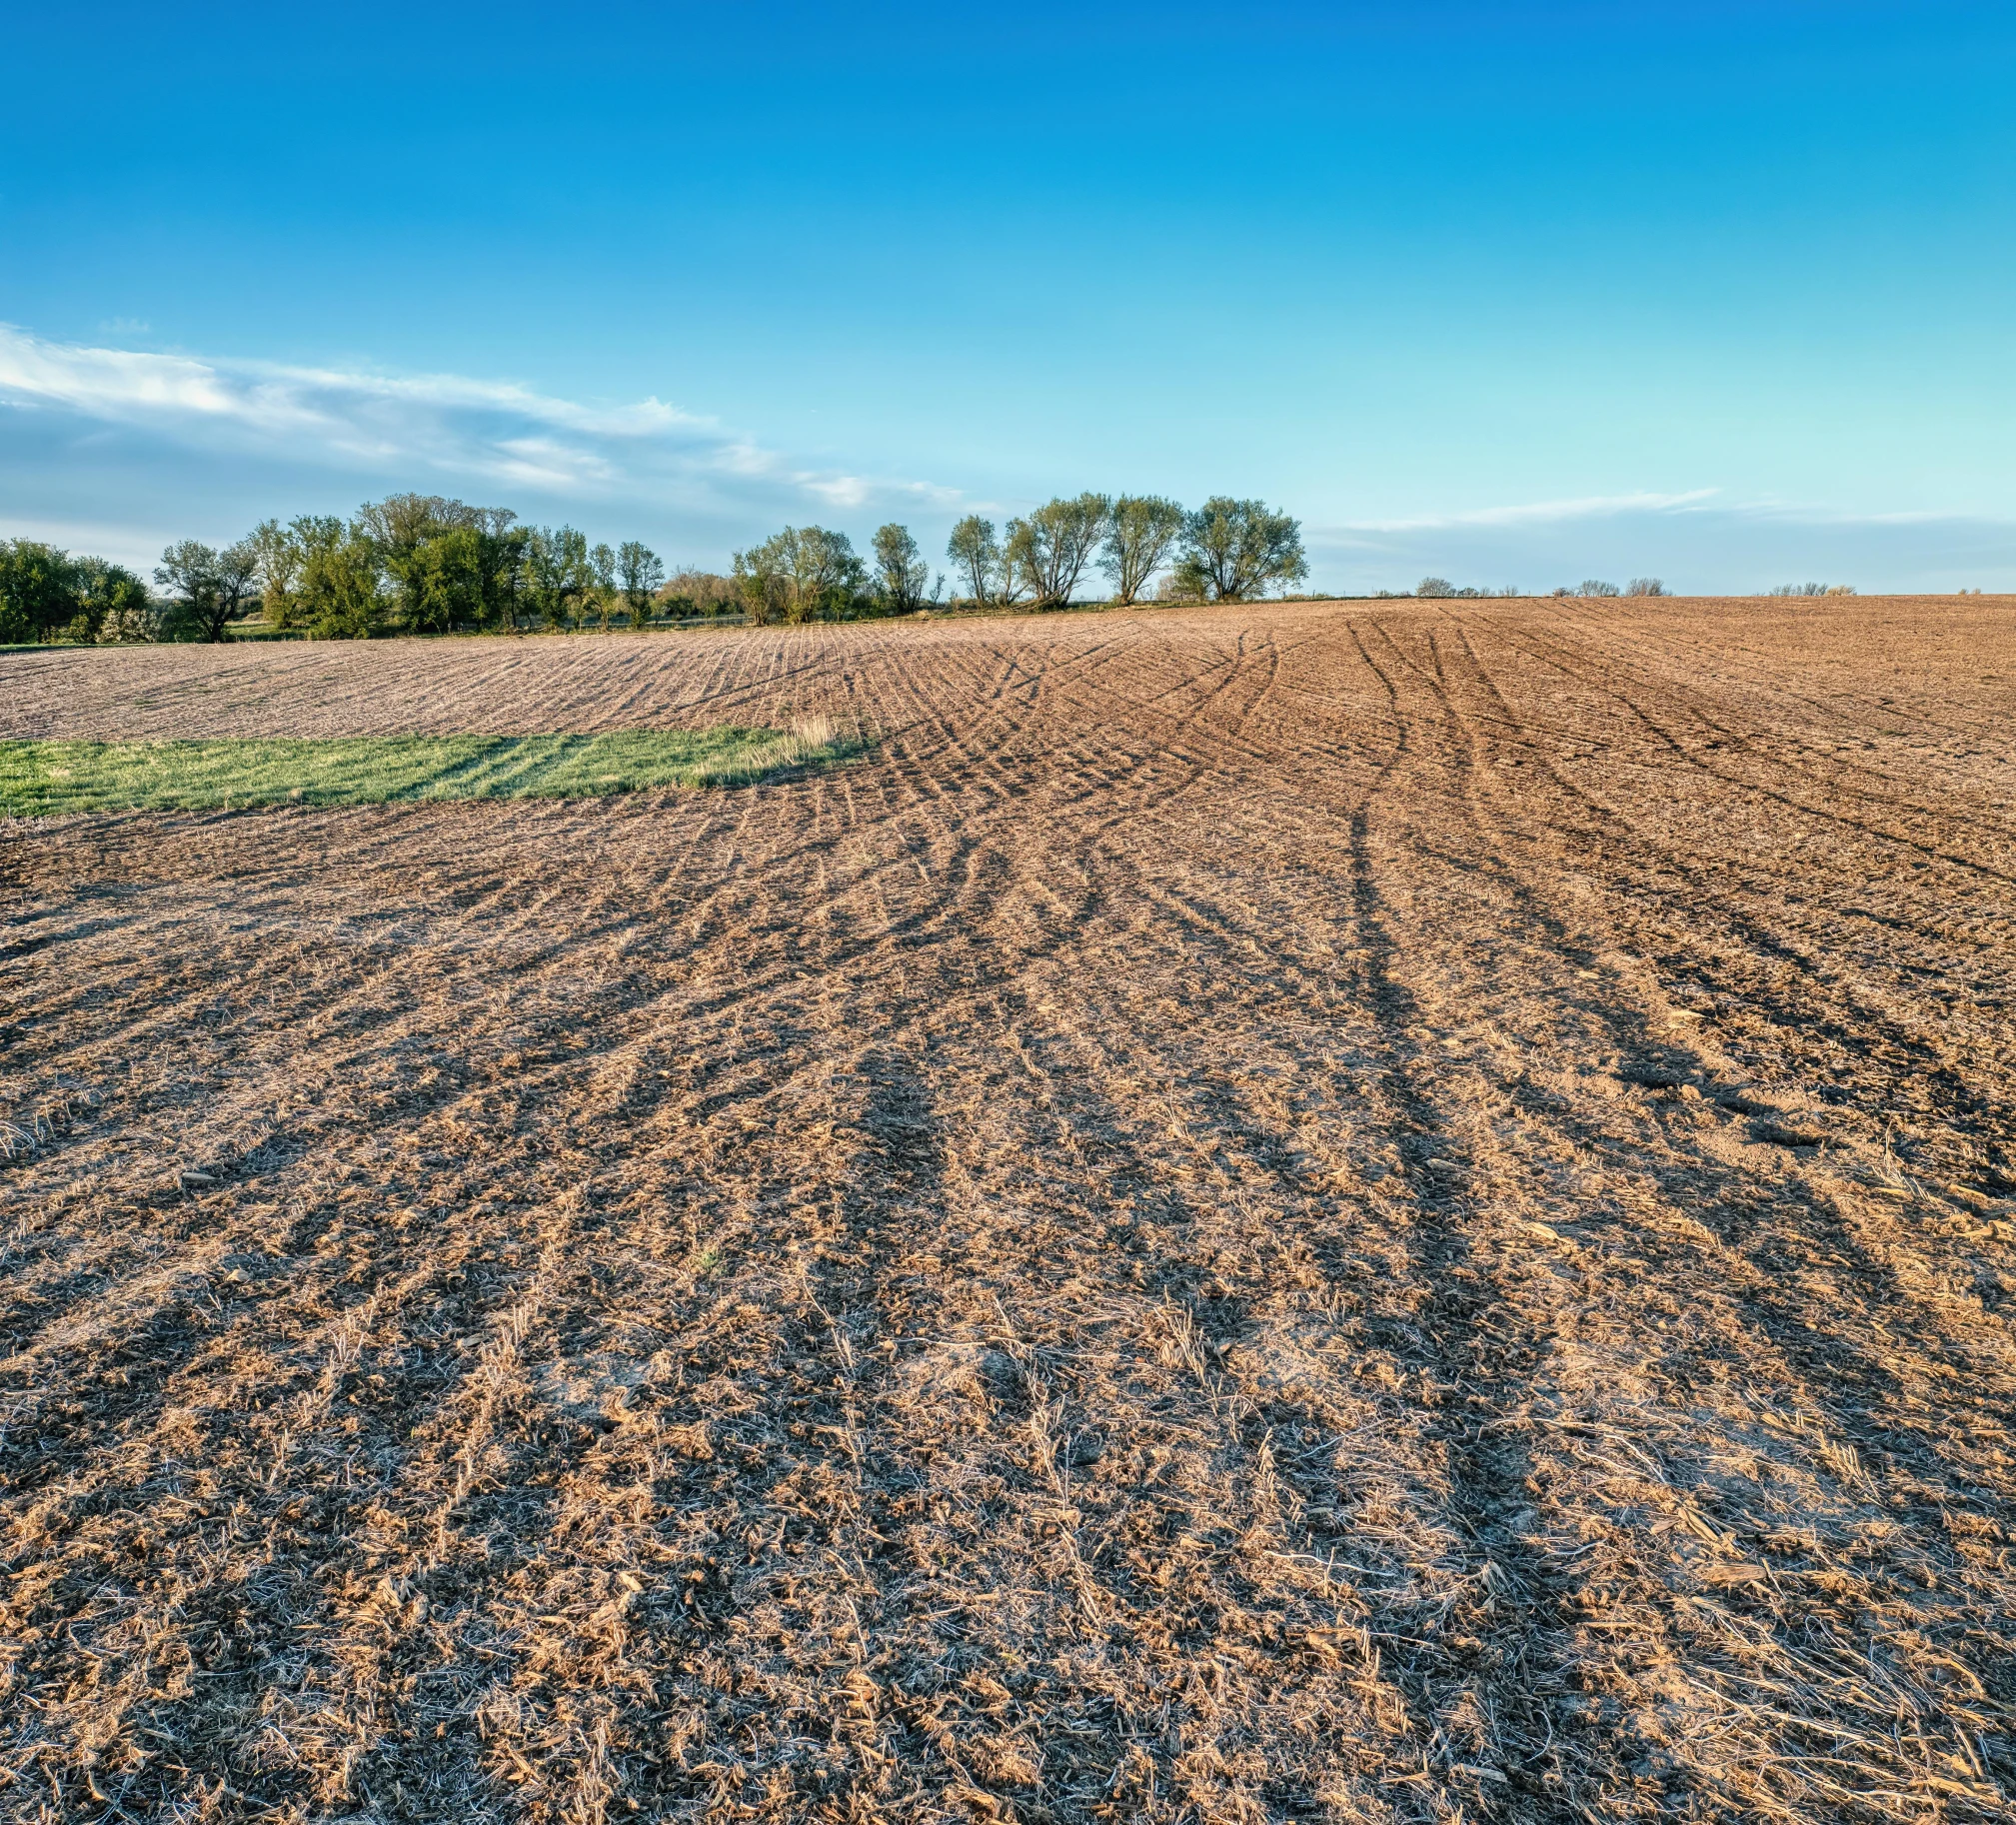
point(54, 777)
point(1341, 1211)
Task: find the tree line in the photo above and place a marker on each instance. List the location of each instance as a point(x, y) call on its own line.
point(1226, 551)
point(425, 564)
point(421, 564)
point(1440, 588)
point(46, 594)
point(416, 564)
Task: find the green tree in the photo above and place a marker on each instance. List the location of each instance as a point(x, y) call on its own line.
point(46, 594)
point(401, 528)
point(900, 571)
point(975, 555)
point(1049, 549)
point(501, 543)
point(826, 576)
point(295, 567)
point(399, 523)
point(424, 544)
point(210, 586)
point(39, 591)
point(280, 549)
point(557, 576)
point(116, 604)
point(342, 592)
point(1140, 531)
point(639, 571)
point(761, 582)
point(803, 573)
point(1234, 549)
point(601, 593)
point(443, 583)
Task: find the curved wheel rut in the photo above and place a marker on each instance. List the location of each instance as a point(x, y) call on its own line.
point(1284, 1211)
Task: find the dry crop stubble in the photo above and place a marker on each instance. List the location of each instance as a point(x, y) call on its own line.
point(1309, 1210)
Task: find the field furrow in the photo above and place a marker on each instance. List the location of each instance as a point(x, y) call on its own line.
point(1387, 1211)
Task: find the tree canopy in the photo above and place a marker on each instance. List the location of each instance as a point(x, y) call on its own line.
point(1049, 549)
point(1140, 529)
point(429, 564)
point(1235, 550)
point(900, 571)
point(975, 555)
point(803, 573)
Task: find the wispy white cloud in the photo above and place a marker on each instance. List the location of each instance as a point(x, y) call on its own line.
point(1531, 513)
point(405, 427)
point(1697, 540)
point(1806, 513)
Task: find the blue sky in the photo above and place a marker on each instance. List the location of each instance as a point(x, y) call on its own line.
point(1515, 294)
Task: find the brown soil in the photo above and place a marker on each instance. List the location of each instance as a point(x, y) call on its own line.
point(1313, 1211)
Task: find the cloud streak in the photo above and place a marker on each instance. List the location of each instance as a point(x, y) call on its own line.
point(1697, 540)
point(182, 443)
point(459, 430)
point(1535, 512)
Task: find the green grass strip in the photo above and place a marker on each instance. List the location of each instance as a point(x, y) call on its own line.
point(54, 779)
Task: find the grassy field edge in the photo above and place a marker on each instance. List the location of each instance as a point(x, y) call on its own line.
point(45, 778)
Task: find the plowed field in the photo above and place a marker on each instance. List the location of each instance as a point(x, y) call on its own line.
point(1389, 1211)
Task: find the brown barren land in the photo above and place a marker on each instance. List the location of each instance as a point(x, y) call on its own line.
point(1333, 1211)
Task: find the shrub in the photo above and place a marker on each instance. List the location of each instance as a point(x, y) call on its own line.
point(691, 592)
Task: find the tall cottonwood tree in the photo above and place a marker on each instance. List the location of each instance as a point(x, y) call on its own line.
point(443, 581)
point(1233, 550)
point(405, 531)
point(803, 573)
point(900, 571)
point(824, 570)
point(639, 571)
point(500, 544)
point(1139, 532)
point(761, 582)
point(1049, 549)
point(281, 551)
point(342, 594)
point(601, 587)
point(556, 574)
point(976, 555)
